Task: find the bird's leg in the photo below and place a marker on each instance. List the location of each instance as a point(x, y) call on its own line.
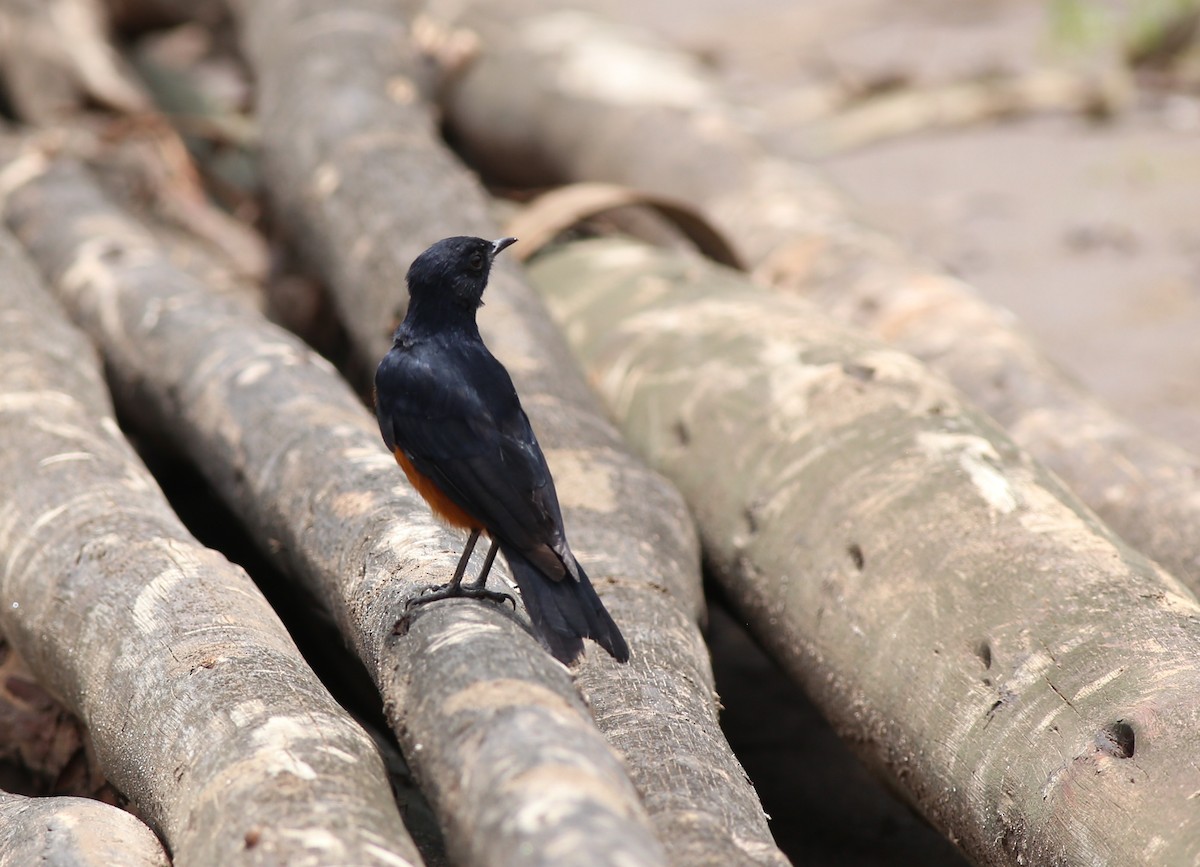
point(477, 588)
point(456, 581)
point(456, 589)
point(481, 581)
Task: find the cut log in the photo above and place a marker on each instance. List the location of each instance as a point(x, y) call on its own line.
point(365, 184)
point(563, 96)
point(490, 723)
point(73, 832)
point(963, 620)
point(199, 706)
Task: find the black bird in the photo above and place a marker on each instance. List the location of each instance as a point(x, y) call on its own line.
point(448, 411)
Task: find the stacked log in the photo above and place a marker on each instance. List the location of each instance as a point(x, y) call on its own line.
point(364, 188)
point(200, 707)
point(980, 637)
point(532, 109)
point(987, 645)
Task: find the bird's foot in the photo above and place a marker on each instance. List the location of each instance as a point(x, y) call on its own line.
point(460, 591)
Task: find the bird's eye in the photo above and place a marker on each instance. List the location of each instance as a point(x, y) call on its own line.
point(475, 263)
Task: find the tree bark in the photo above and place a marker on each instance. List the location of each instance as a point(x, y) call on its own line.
point(489, 722)
point(200, 707)
point(981, 638)
point(563, 96)
point(364, 186)
point(73, 832)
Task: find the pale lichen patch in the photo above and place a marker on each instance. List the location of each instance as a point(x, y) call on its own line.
point(276, 736)
point(316, 838)
point(353, 503)
point(979, 460)
point(460, 633)
point(246, 713)
point(554, 792)
point(504, 693)
point(157, 593)
point(582, 481)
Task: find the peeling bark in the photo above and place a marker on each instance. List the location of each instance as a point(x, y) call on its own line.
point(561, 96)
point(73, 832)
point(365, 184)
point(963, 620)
point(490, 723)
point(200, 707)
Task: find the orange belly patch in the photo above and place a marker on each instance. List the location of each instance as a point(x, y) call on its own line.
point(441, 505)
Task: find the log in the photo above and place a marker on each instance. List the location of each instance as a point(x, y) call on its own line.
point(490, 724)
point(562, 96)
point(971, 103)
point(980, 637)
point(73, 832)
point(55, 56)
point(364, 187)
point(201, 710)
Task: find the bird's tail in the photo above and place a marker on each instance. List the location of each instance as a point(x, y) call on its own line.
point(565, 612)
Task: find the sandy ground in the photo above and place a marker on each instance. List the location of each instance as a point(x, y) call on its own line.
point(1087, 231)
point(1088, 234)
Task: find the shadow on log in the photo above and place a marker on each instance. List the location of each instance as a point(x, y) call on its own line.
point(968, 625)
point(43, 746)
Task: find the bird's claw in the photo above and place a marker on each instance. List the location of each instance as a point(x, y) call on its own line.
point(438, 592)
point(498, 597)
point(479, 591)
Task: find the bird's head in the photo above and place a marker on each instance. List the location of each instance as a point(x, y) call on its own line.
point(453, 273)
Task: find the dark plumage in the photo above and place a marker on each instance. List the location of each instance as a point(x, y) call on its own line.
point(449, 412)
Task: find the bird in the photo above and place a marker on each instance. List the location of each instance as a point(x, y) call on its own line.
point(450, 414)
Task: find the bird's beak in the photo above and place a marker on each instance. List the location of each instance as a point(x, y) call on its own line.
point(500, 243)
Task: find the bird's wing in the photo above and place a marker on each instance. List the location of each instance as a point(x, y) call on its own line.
point(469, 434)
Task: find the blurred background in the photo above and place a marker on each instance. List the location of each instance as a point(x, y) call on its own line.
point(1047, 151)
